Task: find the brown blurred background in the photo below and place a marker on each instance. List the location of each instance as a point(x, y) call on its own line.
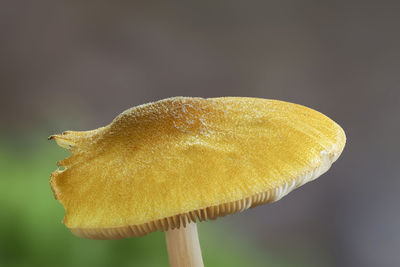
point(77, 64)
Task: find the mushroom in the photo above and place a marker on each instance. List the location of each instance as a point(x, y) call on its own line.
point(163, 166)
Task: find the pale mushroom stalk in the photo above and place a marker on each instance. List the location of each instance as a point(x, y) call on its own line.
point(166, 165)
point(184, 247)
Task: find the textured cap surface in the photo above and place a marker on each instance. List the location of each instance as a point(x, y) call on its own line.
point(160, 165)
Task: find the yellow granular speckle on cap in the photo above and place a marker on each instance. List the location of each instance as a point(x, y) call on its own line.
point(160, 165)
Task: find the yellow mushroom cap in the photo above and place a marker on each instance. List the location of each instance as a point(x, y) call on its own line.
point(161, 165)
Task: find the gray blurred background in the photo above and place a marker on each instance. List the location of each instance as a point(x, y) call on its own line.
point(77, 64)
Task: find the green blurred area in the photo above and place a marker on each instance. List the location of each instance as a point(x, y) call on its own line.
point(31, 232)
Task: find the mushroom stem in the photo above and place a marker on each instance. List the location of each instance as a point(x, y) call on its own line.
point(184, 247)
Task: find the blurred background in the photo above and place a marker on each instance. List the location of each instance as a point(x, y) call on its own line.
point(75, 65)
